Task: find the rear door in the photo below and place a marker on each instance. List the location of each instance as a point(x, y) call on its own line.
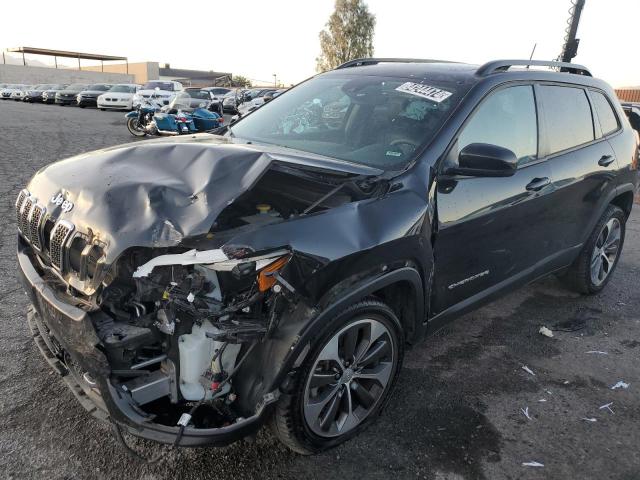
point(583, 164)
point(492, 231)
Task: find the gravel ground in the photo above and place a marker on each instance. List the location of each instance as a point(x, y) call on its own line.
point(456, 412)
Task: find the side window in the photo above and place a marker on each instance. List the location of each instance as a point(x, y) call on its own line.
point(568, 117)
point(508, 119)
point(606, 115)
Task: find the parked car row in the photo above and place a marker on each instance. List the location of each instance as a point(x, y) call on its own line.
point(109, 96)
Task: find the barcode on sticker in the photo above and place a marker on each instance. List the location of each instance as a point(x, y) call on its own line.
point(425, 91)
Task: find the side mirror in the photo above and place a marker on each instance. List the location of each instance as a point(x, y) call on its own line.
point(484, 160)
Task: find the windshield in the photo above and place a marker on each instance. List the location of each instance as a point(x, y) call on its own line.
point(219, 91)
point(99, 87)
point(370, 120)
point(123, 89)
point(76, 86)
point(199, 94)
point(161, 85)
point(187, 100)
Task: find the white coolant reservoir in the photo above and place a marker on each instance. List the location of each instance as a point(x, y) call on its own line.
point(196, 353)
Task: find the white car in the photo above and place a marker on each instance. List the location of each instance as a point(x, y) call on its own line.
point(18, 95)
point(163, 90)
point(120, 97)
point(8, 92)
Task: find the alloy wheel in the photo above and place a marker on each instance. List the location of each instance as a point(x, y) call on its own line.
point(349, 377)
point(606, 251)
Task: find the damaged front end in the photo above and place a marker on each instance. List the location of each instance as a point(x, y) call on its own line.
point(150, 295)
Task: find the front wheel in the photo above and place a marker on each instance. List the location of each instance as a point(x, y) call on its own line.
point(599, 257)
point(344, 382)
point(135, 128)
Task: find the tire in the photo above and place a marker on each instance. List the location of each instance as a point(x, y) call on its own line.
point(134, 128)
point(581, 277)
point(294, 421)
point(103, 109)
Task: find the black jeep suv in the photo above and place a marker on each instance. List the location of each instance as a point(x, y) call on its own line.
point(202, 285)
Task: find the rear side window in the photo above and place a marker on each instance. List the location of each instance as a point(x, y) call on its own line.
point(568, 117)
point(606, 115)
point(507, 119)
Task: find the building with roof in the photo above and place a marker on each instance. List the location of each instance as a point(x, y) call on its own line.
point(40, 73)
point(107, 71)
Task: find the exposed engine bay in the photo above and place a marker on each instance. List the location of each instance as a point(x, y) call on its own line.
point(178, 337)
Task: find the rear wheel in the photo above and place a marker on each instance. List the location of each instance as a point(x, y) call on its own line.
point(345, 381)
point(135, 128)
point(593, 269)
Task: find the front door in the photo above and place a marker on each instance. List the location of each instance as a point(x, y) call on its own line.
point(493, 230)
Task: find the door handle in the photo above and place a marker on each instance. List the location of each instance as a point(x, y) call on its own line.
point(606, 160)
point(538, 184)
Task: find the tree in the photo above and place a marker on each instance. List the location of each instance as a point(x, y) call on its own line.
point(240, 81)
point(348, 34)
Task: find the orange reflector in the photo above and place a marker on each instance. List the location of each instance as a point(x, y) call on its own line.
point(266, 281)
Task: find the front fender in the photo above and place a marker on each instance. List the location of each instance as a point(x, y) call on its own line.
point(268, 369)
point(133, 114)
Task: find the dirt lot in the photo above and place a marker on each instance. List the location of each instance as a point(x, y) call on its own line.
point(457, 411)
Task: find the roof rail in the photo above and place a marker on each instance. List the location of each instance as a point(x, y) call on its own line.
point(360, 62)
point(504, 65)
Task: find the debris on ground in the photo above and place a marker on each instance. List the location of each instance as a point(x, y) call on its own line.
point(542, 400)
point(598, 352)
point(586, 419)
point(528, 370)
point(526, 412)
point(532, 464)
point(606, 407)
point(546, 332)
point(620, 384)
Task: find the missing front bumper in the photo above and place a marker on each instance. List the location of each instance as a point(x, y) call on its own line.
point(65, 336)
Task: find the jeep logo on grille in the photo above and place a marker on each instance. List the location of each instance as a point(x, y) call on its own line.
point(59, 200)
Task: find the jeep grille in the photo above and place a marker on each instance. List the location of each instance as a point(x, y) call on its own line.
point(59, 236)
point(34, 220)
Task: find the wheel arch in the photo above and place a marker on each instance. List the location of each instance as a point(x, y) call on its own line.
point(277, 358)
point(624, 200)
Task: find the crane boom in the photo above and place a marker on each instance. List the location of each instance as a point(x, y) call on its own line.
point(570, 47)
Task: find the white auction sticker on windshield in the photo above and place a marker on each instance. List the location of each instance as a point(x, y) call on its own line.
point(425, 91)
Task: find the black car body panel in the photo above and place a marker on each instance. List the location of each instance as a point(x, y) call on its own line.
point(89, 97)
point(68, 96)
point(430, 242)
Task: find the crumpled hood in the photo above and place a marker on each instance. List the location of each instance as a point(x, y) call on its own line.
point(155, 193)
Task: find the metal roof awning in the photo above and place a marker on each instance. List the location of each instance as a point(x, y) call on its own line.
point(67, 54)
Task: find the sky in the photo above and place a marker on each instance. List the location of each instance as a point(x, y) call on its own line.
point(258, 39)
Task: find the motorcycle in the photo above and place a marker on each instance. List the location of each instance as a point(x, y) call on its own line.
point(177, 118)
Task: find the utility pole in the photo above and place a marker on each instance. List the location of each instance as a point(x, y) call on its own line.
point(570, 47)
